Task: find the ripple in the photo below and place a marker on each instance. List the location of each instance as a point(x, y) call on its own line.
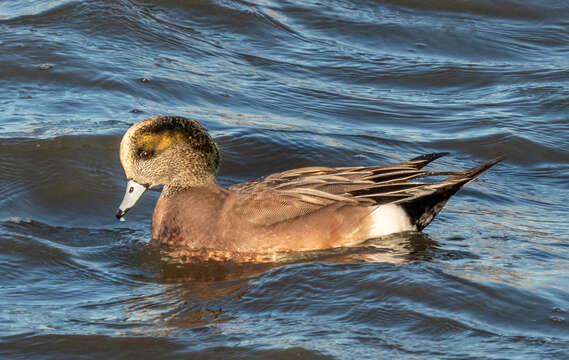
point(283, 85)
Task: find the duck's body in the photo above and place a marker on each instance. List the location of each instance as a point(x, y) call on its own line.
point(254, 222)
point(303, 209)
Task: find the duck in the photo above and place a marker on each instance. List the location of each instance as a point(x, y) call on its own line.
point(304, 209)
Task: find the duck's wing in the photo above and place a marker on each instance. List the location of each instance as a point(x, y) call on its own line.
point(342, 179)
point(299, 192)
point(290, 194)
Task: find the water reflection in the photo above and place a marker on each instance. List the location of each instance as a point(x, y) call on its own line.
point(395, 249)
point(183, 266)
point(207, 289)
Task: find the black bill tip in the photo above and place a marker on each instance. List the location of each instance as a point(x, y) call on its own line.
point(120, 213)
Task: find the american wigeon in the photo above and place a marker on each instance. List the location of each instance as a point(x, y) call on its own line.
point(296, 210)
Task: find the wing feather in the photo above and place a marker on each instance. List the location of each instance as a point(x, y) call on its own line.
point(298, 192)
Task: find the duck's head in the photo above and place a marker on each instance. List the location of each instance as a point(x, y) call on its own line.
point(166, 150)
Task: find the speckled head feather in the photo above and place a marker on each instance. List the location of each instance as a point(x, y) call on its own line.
point(169, 150)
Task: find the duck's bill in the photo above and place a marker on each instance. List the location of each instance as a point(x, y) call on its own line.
point(134, 191)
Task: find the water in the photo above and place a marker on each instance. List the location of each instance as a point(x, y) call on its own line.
point(281, 85)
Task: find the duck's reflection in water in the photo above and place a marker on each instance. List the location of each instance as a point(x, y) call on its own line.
point(206, 266)
point(204, 289)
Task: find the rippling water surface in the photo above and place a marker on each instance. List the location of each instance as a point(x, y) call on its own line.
point(284, 84)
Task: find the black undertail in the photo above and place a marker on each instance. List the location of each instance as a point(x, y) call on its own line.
point(430, 199)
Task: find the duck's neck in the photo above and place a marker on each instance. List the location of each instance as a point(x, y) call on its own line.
point(171, 190)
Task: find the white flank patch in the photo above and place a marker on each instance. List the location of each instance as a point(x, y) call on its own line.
point(389, 219)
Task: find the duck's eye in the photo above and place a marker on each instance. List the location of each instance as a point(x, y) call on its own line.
point(144, 154)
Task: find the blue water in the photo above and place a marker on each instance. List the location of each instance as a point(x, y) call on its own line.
point(280, 85)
